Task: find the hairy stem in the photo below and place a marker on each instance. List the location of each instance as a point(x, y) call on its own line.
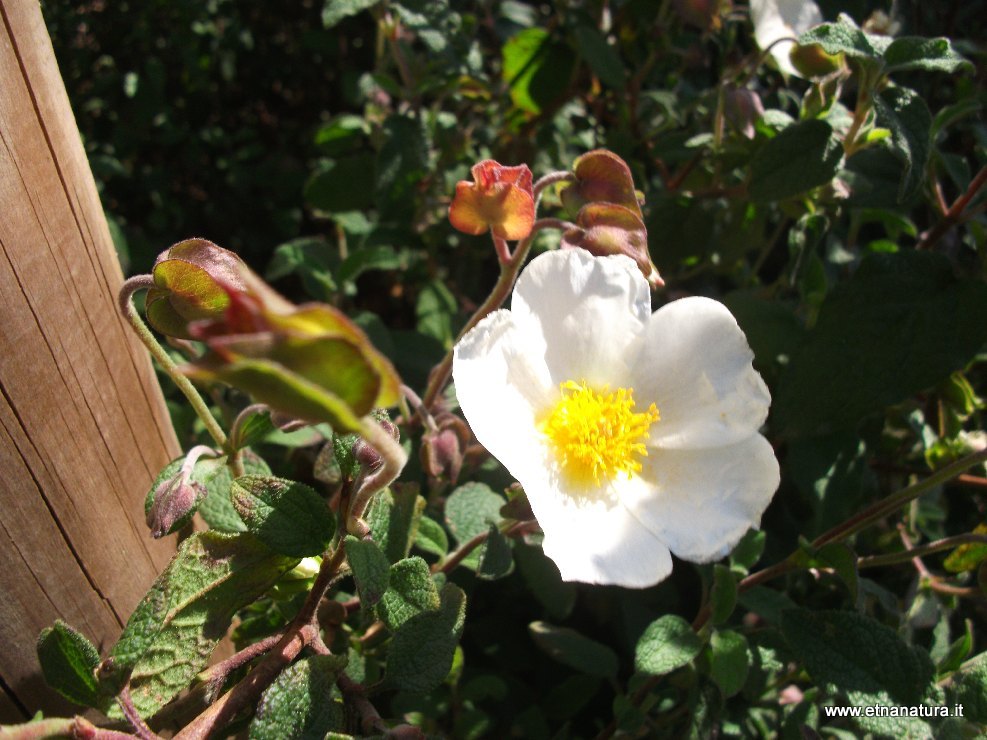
point(142, 282)
point(392, 461)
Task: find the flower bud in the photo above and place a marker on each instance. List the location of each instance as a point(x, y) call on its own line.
point(601, 177)
point(706, 15)
point(192, 281)
point(812, 61)
point(442, 450)
point(606, 228)
point(500, 199)
point(743, 109)
point(175, 496)
point(365, 454)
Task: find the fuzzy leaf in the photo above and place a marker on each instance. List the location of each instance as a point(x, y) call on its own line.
point(301, 703)
point(901, 324)
point(172, 632)
point(422, 650)
point(859, 657)
point(410, 591)
point(723, 594)
point(575, 650)
point(844, 37)
point(431, 537)
point(907, 116)
point(934, 55)
point(393, 518)
point(497, 560)
point(729, 661)
point(370, 569)
point(68, 660)
point(289, 517)
point(803, 156)
point(668, 643)
point(217, 507)
point(336, 10)
point(469, 511)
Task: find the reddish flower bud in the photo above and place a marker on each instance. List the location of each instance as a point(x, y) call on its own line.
point(500, 199)
point(175, 495)
point(442, 450)
point(743, 109)
point(606, 228)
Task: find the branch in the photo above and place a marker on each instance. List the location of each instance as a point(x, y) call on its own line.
point(955, 213)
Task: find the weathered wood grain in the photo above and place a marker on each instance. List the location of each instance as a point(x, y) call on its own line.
point(83, 426)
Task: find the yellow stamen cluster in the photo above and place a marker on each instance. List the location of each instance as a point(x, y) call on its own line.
point(596, 435)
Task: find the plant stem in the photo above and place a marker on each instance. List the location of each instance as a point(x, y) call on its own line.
point(393, 459)
point(142, 282)
point(895, 501)
point(954, 215)
point(141, 730)
point(508, 274)
point(947, 543)
point(301, 632)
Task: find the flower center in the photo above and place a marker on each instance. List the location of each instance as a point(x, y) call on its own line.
point(596, 434)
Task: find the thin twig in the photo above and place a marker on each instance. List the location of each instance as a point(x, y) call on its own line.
point(955, 212)
point(947, 543)
point(141, 730)
point(216, 676)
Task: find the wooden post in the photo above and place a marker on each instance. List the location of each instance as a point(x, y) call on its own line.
point(83, 426)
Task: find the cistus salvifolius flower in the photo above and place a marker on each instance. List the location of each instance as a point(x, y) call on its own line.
point(634, 434)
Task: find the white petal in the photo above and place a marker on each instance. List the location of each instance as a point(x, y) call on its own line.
point(501, 391)
point(694, 363)
point(701, 502)
point(594, 538)
point(584, 312)
point(780, 19)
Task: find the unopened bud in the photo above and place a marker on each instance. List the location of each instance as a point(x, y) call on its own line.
point(743, 109)
point(811, 61)
point(175, 496)
point(365, 454)
point(442, 450)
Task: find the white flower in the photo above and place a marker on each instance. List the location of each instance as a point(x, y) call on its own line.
point(783, 19)
point(633, 434)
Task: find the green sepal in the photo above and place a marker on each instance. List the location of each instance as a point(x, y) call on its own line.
point(289, 517)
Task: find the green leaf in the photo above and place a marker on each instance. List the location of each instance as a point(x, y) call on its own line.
point(497, 560)
point(772, 329)
point(422, 650)
point(843, 561)
point(254, 429)
point(667, 643)
point(370, 568)
point(859, 657)
point(289, 517)
point(749, 550)
point(803, 156)
point(68, 660)
point(435, 310)
point(336, 10)
point(906, 114)
point(359, 261)
point(217, 508)
point(340, 185)
point(913, 52)
point(545, 582)
point(602, 58)
point(393, 518)
point(722, 594)
point(970, 689)
point(172, 632)
point(575, 650)
point(901, 324)
point(958, 652)
point(969, 556)
point(469, 511)
point(844, 37)
point(311, 258)
point(431, 537)
point(402, 164)
point(341, 135)
point(536, 69)
point(410, 591)
point(729, 661)
point(301, 703)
